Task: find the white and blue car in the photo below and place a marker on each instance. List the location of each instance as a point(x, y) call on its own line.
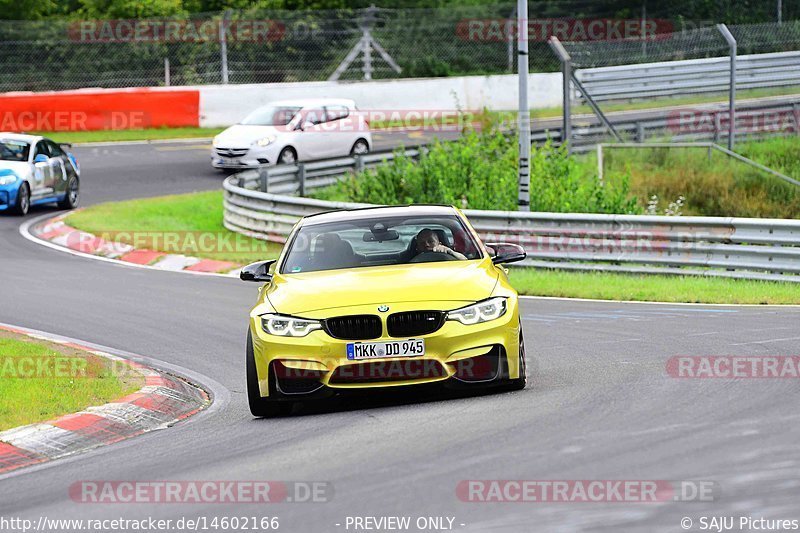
point(35, 170)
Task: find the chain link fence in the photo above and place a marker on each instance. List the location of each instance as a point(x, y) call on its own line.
point(266, 46)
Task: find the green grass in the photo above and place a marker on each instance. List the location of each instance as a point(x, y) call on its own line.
point(185, 223)
point(41, 381)
point(691, 289)
point(719, 186)
point(150, 134)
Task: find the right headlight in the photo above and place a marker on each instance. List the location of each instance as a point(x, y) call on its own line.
point(288, 326)
point(483, 311)
point(8, 179)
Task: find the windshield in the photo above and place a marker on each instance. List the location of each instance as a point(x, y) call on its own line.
point(379, 241)
point(11, 150)
point(271, 116)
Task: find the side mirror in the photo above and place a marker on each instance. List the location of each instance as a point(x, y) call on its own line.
point(41, 158)
point(258, 272)
point(506, 253)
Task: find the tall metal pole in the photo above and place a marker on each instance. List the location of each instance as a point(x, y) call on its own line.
point(732, 100)
point(780, 12)
point(524, 198)
point(223, 46)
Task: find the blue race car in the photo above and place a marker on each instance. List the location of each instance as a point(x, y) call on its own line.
point(35, 170)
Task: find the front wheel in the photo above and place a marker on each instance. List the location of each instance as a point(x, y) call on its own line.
point(520, 382)
point(73, 195)
point(23, 204)
point(360, 147)
point(288, 156)
point(259, 406)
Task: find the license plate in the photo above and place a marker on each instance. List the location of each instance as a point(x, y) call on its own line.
point(374, 350)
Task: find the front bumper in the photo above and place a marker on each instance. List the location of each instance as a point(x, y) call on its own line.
point(8, 195)
point(316, 366)
point(254, 157)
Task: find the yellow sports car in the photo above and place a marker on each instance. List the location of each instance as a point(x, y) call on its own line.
point(382, 297)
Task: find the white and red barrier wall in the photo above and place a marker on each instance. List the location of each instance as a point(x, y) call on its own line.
point(223, 105)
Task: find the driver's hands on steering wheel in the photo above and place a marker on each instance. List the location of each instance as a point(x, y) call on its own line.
point(442, 249)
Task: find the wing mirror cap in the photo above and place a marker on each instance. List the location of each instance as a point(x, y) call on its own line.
point(258, 272)
point(504, 252)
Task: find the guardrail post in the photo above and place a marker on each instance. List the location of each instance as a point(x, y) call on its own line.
point(640, 133)
point(796, 111)
point(359, 166)
point(723, 29)
point(301, 179)
point(717, 127)
point(263, 178)
point(566, 73)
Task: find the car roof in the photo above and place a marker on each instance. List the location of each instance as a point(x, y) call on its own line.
point(309, 102)
point(377, 212)
point(20, 137)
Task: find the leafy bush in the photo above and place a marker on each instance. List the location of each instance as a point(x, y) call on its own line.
point(479, 171)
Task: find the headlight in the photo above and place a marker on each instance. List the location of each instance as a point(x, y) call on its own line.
point(288, 326)
point(265, 141)
point(215, 142)
point(7, 179)
point(484, 311)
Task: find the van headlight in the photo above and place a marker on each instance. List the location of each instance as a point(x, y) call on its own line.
point(288, 326)
point(483, 311)
point(266, 141)
point(215, 141)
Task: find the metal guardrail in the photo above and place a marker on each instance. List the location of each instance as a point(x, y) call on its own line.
point(704, 123)
point(762, 249)
point(689, 77)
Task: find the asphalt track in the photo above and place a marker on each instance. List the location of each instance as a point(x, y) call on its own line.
point(600, 405)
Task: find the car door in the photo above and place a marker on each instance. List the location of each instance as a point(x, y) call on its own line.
point(43, 181)
point(59, 161)
point(314, 139)
point(340, 125)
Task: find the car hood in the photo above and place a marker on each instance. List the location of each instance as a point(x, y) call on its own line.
point(20, 168)
point(240, 135)
point(466, 281)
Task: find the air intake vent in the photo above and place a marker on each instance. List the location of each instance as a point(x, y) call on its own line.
point(354, 327)
point(414, 323)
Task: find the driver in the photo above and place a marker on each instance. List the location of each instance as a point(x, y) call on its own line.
point(428, 241)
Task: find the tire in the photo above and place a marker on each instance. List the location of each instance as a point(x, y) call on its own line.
point(73, 195)
point(23, 204)
point(261, 407)
point(360, 147)
point(288, 156)
point(520, 382)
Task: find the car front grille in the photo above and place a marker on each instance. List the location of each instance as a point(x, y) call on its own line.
point(231, 152)
point(354, 327)
point(413, 323)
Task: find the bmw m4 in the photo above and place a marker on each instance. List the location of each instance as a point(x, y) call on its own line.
point(382, 297)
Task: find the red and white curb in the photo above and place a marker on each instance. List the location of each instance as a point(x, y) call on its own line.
point(57, 233)
point(163, 401)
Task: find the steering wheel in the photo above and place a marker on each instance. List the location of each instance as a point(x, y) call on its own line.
point(432, 257)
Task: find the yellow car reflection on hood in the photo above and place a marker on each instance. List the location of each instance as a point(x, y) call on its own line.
point(382, 297)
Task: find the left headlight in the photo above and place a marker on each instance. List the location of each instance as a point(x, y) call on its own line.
point(265, 141)
point(288, 326)
point(483, 311)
